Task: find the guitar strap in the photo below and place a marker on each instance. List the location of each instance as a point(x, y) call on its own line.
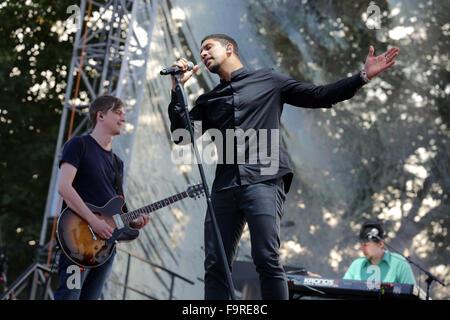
point(118, 181)
point(129, 233)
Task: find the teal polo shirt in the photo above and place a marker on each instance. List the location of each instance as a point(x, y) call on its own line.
point(392, 268)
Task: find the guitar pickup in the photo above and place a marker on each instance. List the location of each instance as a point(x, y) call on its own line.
point(118, 221)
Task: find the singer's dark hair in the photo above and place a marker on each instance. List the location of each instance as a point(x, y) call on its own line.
point(224, 40)
point(103, 104)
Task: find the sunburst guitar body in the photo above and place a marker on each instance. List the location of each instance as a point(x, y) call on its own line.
point(85, 248)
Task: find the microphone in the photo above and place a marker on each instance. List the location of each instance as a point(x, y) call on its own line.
point(174, 70)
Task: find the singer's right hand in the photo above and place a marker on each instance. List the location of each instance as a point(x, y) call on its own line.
point(184, 76)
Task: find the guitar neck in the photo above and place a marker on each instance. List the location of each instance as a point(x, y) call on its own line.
point(130, 216)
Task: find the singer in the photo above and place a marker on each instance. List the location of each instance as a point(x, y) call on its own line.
point(253, 99)
point(390, 266)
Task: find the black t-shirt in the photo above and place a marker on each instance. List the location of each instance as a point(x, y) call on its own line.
point(95, 177)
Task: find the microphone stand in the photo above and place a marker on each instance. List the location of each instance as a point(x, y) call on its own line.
point(181, 95)
point(430, 277)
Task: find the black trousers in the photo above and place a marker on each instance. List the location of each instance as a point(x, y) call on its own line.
point(261, 206)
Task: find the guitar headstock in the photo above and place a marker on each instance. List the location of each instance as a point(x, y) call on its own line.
point(195, 190)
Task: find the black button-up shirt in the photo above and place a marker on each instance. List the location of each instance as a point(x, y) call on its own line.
point(254, 100)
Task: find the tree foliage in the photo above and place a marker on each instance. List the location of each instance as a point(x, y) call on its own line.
point(382, 155)
point(34, 61)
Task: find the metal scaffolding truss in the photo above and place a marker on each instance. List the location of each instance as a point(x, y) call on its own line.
point(114, 61)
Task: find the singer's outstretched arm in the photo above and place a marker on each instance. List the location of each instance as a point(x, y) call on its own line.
point(308, 95)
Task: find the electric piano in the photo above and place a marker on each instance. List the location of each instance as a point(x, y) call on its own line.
point(306, 287)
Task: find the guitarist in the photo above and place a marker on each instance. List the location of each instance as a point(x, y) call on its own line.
point(88, 174)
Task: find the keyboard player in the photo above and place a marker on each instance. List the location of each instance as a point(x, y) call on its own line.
point(378, 264)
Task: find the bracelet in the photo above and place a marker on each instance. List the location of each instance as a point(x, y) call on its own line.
point(363, 76)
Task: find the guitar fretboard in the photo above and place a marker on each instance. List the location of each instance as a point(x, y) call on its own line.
point(130, 216)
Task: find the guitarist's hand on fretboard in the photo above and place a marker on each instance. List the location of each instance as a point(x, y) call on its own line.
point(140, 222)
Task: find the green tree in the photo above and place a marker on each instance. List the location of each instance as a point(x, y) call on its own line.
point(35, 55)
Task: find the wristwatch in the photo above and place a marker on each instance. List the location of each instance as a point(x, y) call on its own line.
point(363, 76)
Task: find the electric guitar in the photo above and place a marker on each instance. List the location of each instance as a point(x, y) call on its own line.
point(86, 249)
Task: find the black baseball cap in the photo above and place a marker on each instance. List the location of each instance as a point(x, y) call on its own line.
point(365, 234)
